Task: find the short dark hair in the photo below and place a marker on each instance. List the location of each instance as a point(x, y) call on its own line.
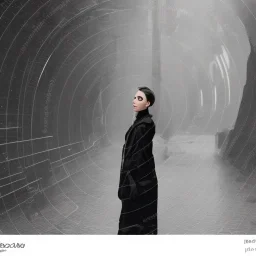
point(149, 94)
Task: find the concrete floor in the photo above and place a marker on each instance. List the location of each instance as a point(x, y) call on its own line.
point(198, 194)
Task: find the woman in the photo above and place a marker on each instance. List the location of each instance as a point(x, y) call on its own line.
point(138, 185)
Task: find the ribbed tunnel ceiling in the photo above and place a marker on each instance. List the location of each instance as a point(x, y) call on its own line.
point(69, 70)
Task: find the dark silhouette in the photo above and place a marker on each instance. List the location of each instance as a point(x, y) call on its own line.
point(138, 186)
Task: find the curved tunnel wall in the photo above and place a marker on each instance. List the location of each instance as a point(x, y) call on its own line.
point(204, 54)
point(239, 147)
point(62, 65)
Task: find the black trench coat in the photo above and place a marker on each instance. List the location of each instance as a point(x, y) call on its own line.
point(138, 185)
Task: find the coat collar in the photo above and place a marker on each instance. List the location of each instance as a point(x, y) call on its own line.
point(145, 119)
point(142, 114)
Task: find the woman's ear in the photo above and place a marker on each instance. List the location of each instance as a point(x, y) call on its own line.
point(148, 104)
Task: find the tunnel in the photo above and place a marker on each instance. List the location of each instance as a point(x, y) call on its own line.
point(69, 70)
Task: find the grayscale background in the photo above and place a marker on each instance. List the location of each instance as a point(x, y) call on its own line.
point(69, 70)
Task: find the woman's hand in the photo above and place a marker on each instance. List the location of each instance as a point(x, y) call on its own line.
point(134, 192)
point(133, 187)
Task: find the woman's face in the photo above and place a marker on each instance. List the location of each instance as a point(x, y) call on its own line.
point(140, 101)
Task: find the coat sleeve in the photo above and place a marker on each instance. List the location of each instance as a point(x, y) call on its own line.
point(137, 159)
point(138, 145)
